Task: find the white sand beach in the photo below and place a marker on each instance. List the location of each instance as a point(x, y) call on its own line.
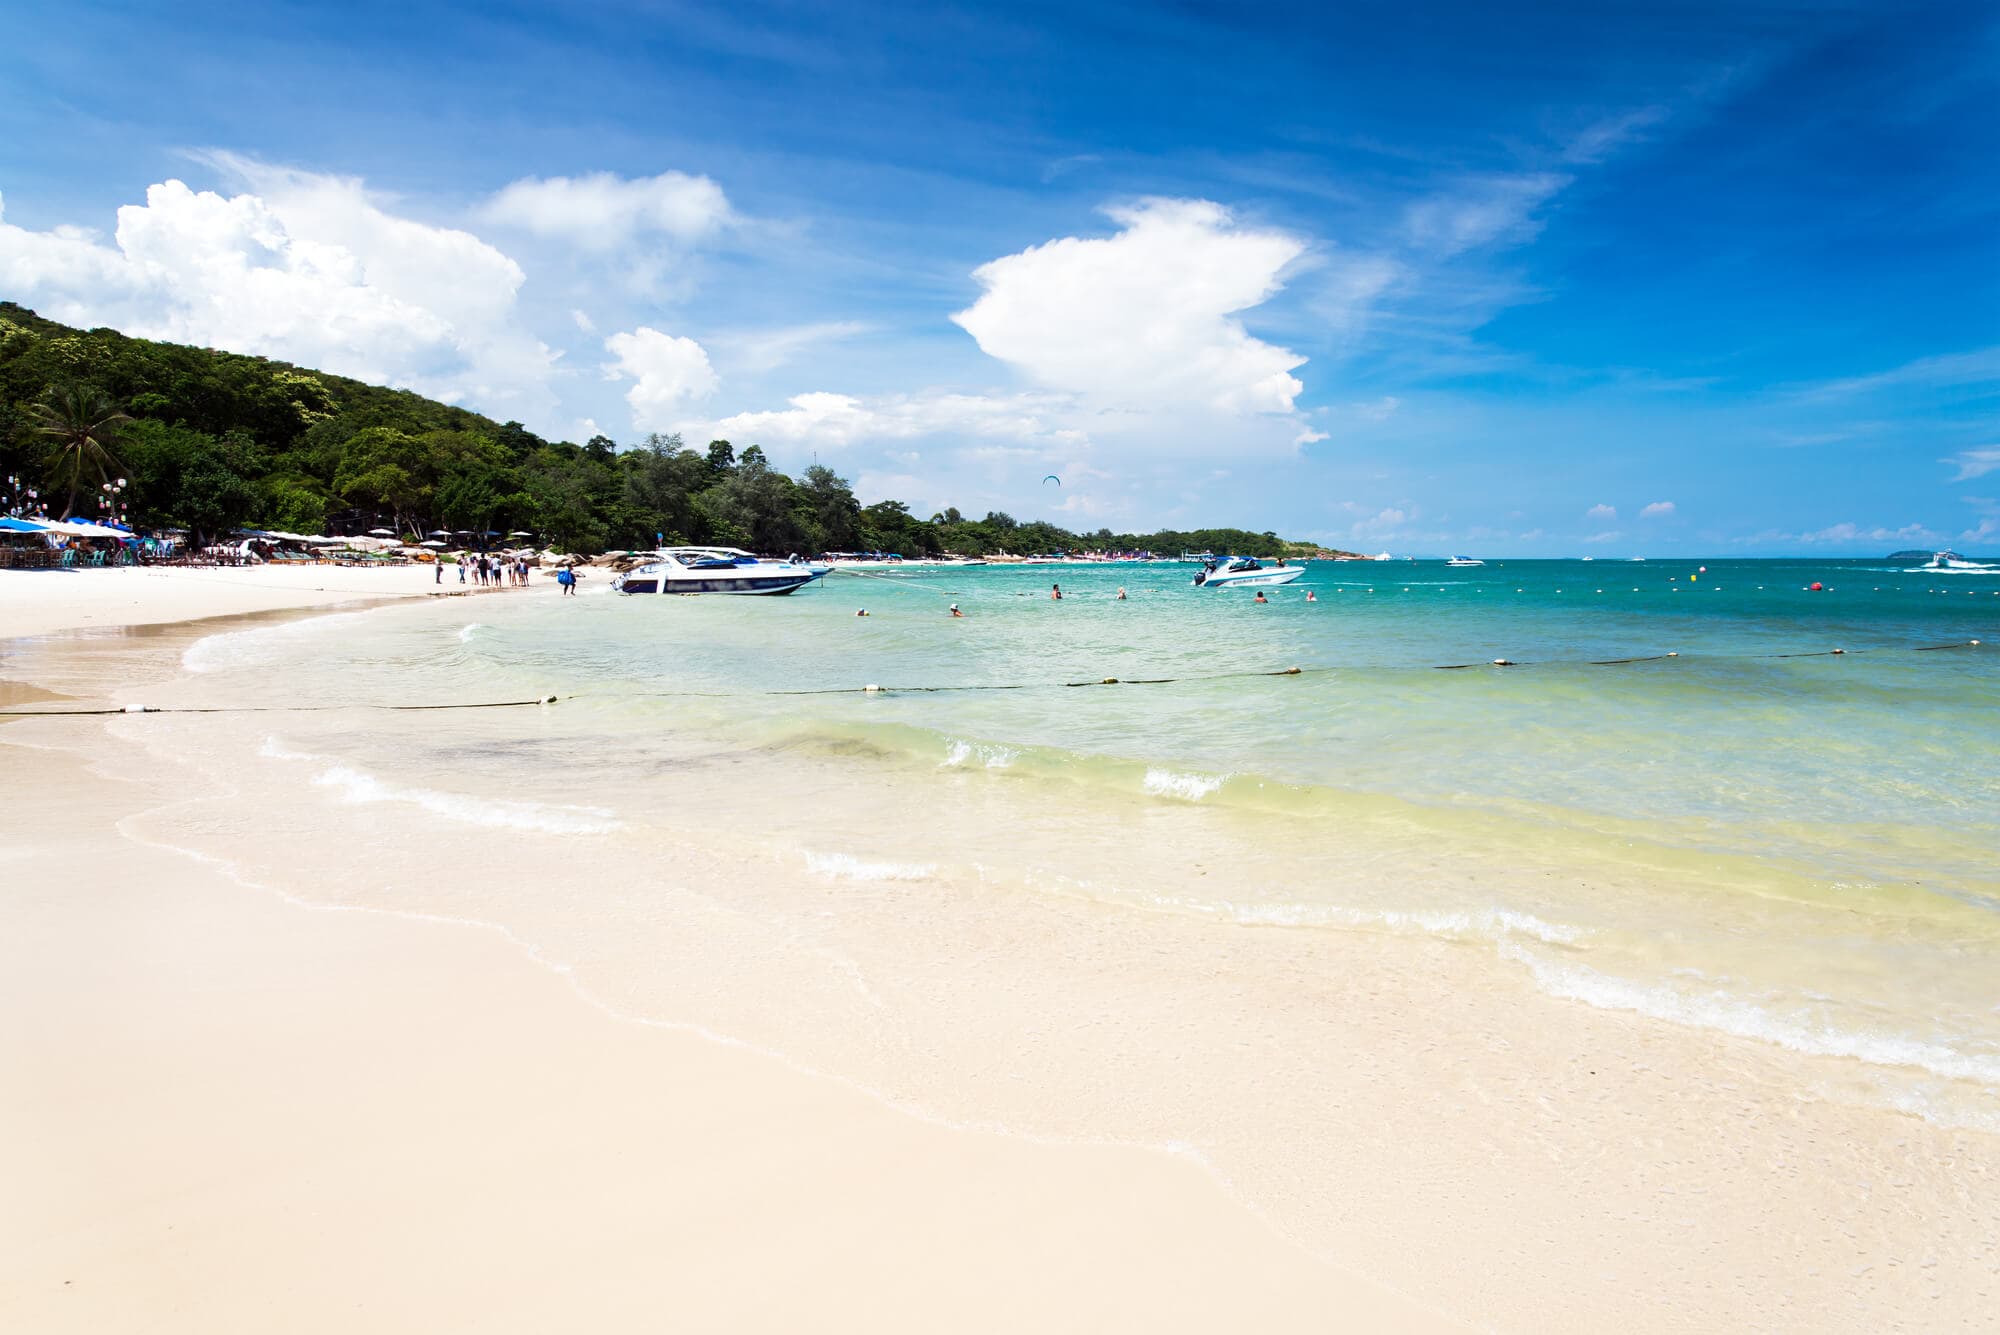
point(229, 1113)
point(300, 1046)
point(232, 1112)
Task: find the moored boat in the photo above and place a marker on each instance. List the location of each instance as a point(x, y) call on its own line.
point(1245, 571)
point(715, 570)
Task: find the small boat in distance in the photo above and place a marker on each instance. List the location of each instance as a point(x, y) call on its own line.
point(1244, 571)
point(715, 570)
point(1464, 561)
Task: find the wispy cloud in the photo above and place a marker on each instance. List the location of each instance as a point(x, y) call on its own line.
point(1657, 510)
point(757, 351)
point(1482, 210)
point(1844, 534)
point(1063, 166)
point(1598, 140)
point(1975, 463)
point(1978, 370)
point(1601, 512)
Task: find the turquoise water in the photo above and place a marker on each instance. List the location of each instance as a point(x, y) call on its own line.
point(1753, 835)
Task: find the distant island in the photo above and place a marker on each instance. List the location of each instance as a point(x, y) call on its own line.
point(213, 442)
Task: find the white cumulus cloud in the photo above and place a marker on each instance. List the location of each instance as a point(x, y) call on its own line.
point(1657, 509)
point(1144, 319)
point(600, 211)
point(829, 421)
point(301, 267)
point(1601, 512)
point(668, 374)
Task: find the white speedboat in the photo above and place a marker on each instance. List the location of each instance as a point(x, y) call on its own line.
point(1949, 560)
point(1464, 561)
point(715, 570)
point(1245, 571)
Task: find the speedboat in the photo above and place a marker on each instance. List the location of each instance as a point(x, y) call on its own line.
point(1244, 571)
point(1950, 560)
point(1464, 561)
point(715, 570)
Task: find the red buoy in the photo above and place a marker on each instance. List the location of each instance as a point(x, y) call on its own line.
point(1817, 587)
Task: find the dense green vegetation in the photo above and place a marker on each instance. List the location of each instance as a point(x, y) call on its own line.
point(212, 441)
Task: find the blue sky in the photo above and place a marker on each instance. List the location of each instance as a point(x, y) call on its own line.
point(1573, 278)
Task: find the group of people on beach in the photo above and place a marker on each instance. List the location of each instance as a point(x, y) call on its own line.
point(489, 571)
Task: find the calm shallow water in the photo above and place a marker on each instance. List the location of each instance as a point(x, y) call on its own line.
point(1794, 849)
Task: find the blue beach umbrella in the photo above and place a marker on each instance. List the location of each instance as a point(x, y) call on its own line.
point(8, 525)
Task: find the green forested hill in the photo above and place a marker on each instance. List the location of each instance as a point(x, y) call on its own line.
point(215, 440)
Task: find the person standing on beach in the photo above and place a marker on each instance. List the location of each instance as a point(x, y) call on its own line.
point(461, 567)
point(438, 571)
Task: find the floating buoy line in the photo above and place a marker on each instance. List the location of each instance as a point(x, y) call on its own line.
point(873, 688)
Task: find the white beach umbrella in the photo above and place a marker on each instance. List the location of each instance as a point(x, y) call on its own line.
point(432, 543)
point(383, 532)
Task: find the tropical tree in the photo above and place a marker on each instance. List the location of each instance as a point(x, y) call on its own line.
point(83, 424)
point(831, 513)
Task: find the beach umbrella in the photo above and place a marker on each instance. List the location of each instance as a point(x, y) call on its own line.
point(519, 533)
point(439, 533)
point(432, 543)
point(382, 532)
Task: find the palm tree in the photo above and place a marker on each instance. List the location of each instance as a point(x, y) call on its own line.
point(83, 423)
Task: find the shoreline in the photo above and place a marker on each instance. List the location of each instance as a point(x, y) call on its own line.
point(307, 1094)
point(35, 603)
point(1386, 1022)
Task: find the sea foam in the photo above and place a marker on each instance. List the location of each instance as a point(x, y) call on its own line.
point(1186, 786)
point(847, 868)
point(358, 786)
point(1742, 1019)
point(965, 755)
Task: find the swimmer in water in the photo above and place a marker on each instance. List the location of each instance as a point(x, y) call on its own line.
point(1311, 597)
point(955, 612)
point(1121, 593)
point(1055, 592)
point(1261, 598)
point(862, 613)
